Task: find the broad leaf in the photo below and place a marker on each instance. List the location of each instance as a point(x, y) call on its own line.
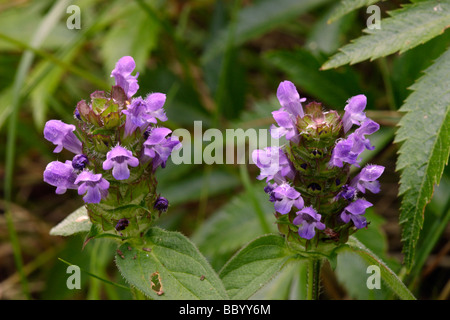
point(289, 284)
point(389, 277)
point(405, 29)
point(169, 266)
point(254, 266)
point(425, 133)
point(77, 222)
point(231, 227)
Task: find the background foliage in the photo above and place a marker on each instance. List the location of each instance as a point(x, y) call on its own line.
point(220, 62)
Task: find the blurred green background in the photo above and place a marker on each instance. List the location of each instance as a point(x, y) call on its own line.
point(219, 62)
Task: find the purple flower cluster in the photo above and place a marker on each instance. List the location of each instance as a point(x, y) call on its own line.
point(135, 140)
point(284, 179)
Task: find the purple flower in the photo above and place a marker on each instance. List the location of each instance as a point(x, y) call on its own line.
point(79, 162)
point(273, 163)
point(354, 211)
point(348, 192)
point(61, 135)
point(367, 127)
point(308, 220)
point(61, 175)
point(93, 185)
point(286, 197)
point(158, 147)
point(287, 126)
point(161, 204)
point(123, 77)
point(289, 99)
point(140, 113)
point(354, 111)
point(348, 150)
point(269, 188)
point(118, 159)
point(367, 178)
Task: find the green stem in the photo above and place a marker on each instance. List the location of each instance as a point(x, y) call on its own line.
point(256, 205)
point(313, 279)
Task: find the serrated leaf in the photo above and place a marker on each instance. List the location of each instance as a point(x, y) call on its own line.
point(425, 133)
point(346, 6)
point(169, 267)
point(405, 29)
point(389, 277)
point(254, 266)
point(77, 222)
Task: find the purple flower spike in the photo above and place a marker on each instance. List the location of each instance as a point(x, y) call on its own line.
point(119, 159)
point(287, 126)
point(158, 147)
point(61, 134)
point(123, 77)
point(93, 185)
point(286, 197)
point(289, 99)
point(354, 111)
point(308, 220)
point(61, 175)
point(140, 113)
point(367, 178)
point(355, 211)
point(273, 163)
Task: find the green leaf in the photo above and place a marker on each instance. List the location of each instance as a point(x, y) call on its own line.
point(259, 18)
point(169, 266)
point(77, 222)
point(232, 226)
point(351, 272)
point(390, 278)
point(346, 6)
point(254, 266)
point(425, 133)
point(405, 29)
point(289, 284)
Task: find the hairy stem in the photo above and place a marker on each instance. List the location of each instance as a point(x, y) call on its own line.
point(313, 289)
